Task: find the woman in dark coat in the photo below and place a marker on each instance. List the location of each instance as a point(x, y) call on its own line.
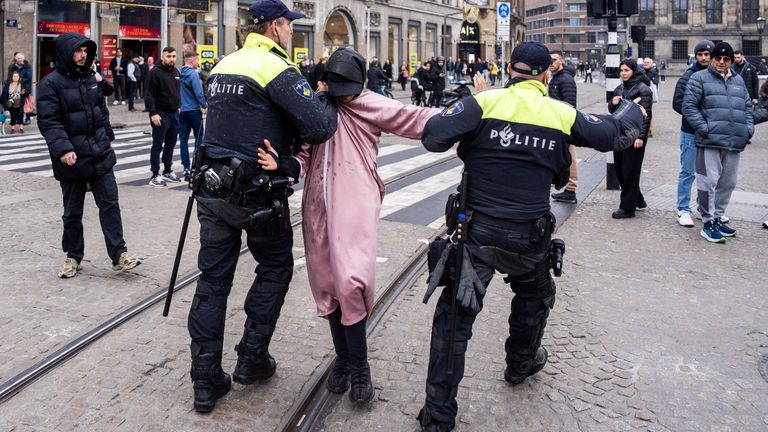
point(629, 162)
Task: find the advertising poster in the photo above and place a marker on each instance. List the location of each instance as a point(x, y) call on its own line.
point(108, 47)
point(300, 54)
point(207, 53)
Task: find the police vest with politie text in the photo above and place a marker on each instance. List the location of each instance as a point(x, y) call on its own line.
point(257, 93)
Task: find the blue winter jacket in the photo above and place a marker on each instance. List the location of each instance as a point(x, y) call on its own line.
point(719, 110)
point(192, 98)
point(677, 99)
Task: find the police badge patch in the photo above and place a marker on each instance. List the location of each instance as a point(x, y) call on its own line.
point(303, 89)
point(455, 109)
point(591, 118)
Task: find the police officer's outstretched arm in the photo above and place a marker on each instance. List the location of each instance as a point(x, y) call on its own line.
point(452, 125)
point(313, 115)
point(608, 132)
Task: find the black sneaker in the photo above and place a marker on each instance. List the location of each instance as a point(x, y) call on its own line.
point(361, 387)
point(338, 380)
point(518, 372)
point(623, 214)
point(565, 196)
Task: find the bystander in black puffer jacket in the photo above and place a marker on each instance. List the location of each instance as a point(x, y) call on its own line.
point(72, 115)
point(562, 86)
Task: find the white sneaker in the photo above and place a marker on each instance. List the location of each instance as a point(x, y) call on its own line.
point(116, 102)
point(157, 181)
point(684, 218)
point(122, 102)
point(171, 177)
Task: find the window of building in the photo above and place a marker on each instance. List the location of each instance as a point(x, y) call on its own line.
point(680, 49)
point(552, 39)
point(431, 40)
point(414, 42)
point(680, 12)
point(574, 7)
point(394, 39)
point(751, 47)
point(749, 11)
point(574, 22)
point(597, 22)
point(714, 11)
point(647, 49)
point(375, 48)
point(647, 13)
point(574, 38)
point(302, 39)
point(592, 37)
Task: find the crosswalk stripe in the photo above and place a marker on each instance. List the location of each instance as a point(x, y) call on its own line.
point(413, 193)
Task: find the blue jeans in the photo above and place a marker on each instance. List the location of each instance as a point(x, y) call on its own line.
point(131, 93)
point(190, 121)
point(687, 170)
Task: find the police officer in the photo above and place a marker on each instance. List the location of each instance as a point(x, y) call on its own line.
point(514, 144)
point(256, 94)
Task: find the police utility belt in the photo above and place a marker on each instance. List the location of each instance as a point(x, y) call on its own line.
point(243, 184)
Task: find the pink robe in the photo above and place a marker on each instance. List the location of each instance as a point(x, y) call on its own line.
point(342, 199)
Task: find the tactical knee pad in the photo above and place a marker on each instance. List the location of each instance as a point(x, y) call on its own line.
point(527, 321)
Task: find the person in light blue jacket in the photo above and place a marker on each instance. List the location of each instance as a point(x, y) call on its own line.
point(193, 105)
point(719, 109)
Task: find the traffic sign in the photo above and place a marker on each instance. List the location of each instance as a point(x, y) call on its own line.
point(502, 20)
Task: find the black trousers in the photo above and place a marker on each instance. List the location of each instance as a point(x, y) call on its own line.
point(119, 88)
point(104, 189)
point(534, 297)
point(221, 227)
point(629, 166)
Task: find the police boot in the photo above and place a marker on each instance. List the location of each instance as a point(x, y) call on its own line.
point(254, 363)
point(338, 380)
point(517, 372)
point(361, 387)
point(428, 424)
point(209, 381)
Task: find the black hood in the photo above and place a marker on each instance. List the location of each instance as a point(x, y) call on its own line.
point(66, 45)
point(569, 70)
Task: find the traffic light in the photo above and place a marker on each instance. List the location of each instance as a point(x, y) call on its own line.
point(637, 32)
point(596, 8)
point(626, 7)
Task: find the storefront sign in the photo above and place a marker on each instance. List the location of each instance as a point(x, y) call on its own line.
point(413, 61)
point(108, 49)
point(11, 23)
point(57, 28)
point(186, 5)
point(300, 54)
point(136, 32)
point(469, 32)
point(207, 53)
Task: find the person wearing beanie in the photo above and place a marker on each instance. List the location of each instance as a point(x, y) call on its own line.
point(718, 108)
point(340, 205)
point(514, 145)
point(685, 179)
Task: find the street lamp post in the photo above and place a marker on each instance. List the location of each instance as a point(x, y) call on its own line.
point(562, 25)
point(760, 28)
point(368, 4)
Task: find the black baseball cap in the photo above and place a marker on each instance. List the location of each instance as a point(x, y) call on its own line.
point(345, 72)
point(723, 49)
point(534, 54)
point(268, 10)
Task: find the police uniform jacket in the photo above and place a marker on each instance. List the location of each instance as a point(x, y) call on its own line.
point(514, 144)
point(257, 93)
point(72, 115)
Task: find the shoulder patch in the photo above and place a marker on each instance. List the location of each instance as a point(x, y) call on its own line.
point(303, 89)
point(455, 109)
point(591, 118)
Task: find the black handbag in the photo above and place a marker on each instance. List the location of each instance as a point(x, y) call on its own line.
point(759, 114)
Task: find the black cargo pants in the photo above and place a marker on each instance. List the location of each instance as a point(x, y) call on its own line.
point(221, 226)
point(534, 297)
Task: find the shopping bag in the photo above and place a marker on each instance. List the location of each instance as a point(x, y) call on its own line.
point(30, 107)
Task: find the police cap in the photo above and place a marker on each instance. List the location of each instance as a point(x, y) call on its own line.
point(268, 10)
point(533, 54)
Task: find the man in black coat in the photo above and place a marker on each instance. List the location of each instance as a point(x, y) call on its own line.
point(376, 78)
point(562, 87)
point(119, 66)
point(748, 73)
point(75, 124)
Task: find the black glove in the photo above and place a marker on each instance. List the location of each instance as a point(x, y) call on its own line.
point(437, 274)
point(471, 290)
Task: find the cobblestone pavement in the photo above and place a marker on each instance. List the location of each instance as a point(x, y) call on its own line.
point(654, 328)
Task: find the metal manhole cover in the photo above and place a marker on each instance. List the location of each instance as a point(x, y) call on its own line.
point(762, 366)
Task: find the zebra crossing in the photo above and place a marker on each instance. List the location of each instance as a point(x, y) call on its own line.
point(403, 202)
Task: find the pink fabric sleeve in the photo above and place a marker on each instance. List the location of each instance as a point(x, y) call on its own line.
point(303, 159)
point(407, 121)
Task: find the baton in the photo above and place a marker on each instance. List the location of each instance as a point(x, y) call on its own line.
point(461, 231)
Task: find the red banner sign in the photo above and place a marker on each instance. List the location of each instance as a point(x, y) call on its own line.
point(57, 28)
point(108, 49)
point(139, 32)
